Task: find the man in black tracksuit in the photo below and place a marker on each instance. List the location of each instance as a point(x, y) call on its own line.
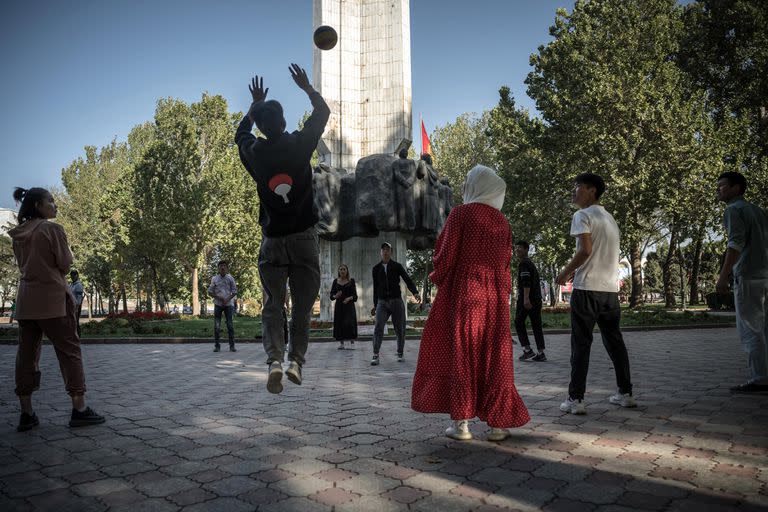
point(388, 301)
point(528, 304)
point(289, 249)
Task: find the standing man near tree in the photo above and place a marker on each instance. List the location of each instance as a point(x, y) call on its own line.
point(223, 289)
point(78, 291)
point(529, 303)
point(595, 297)
point(387, 301)
point(746, 259)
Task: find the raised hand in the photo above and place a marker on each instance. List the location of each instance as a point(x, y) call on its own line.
point(258, 93)
point(300, 77)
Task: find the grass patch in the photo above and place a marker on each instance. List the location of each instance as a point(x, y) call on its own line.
point(250, 327)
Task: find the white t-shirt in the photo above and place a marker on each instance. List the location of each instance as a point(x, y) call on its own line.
point(600, 273)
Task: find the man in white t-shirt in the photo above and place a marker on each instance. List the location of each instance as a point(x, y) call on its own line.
point(595, 297)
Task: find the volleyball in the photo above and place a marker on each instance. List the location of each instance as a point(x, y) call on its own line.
point(325, 37)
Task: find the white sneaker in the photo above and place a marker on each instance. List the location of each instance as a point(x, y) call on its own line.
point(497, 434)
point(623, 399)
point(294, 373)
point(573, 406)
point(275, 378)
point(459, 430)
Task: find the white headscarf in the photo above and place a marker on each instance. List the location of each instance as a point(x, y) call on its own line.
point(483, 185)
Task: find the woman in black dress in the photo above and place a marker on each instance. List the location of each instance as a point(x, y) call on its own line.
point(344, 292)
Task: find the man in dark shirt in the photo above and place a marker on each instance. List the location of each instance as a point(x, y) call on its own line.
point(528, 304)
point(279, 163)
point(388, 301)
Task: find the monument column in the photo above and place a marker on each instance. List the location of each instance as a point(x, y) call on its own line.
point(366, 81)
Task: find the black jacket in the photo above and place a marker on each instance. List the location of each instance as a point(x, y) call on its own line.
point(528, 277)
point(282, 172)
point(386, 285)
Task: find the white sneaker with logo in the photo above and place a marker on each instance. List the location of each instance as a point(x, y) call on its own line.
point(573, 406)
point(275, 378)
point(623, 399)
point(459, 430)
point(498, 434)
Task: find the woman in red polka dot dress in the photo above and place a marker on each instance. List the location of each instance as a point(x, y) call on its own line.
point(465, 360)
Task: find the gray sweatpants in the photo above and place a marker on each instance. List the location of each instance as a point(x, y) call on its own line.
point(385, 308)
point(293, 259)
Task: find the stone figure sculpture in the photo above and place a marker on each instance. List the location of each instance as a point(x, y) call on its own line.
point(429, 197)
point(385, 193)
point(404, 176)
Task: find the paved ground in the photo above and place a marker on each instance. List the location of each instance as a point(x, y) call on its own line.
point(193, 430)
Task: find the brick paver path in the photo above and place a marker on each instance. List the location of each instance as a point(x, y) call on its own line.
point(192, 430)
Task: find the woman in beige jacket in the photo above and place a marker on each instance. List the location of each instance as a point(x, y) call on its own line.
point(44, 305)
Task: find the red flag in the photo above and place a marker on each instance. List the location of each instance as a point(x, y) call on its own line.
point(426, 146)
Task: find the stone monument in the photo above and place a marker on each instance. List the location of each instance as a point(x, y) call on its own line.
point(365, 194)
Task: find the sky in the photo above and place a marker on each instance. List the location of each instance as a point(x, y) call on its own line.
point(82, 73)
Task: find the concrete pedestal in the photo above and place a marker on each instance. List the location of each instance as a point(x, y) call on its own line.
point(360, 255)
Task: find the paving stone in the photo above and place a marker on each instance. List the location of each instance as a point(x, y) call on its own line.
point(221, 505)
point(405, 494)
point(63, 500)
point(166, 486)
point(684, 447)
point(233, 486)
point(333, 497)
point(119, 498)
point(301, 485)
point(101, 487)
point(149, 505)
point(295, 504)
point(371, 504)
point(368, 485)
point(262, 496)
point(591, 493)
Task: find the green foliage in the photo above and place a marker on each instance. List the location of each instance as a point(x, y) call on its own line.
point(147, 215)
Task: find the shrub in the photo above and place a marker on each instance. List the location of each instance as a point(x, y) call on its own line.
point(717, 301)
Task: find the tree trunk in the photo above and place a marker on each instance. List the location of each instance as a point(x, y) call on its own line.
point(111, 301)
point(666, 269)
point(696, 266)
point(125, 299)
point(149, 295)
point(90, 303)
point(554, 289)
point(195, 293)
point(681, 266)
point(426, 290)
point(635, 261)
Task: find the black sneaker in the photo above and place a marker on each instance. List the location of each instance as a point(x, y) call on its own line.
point(27, 422)
point(375, 360)
point(217, 348)
point(750, 387)
point(232, 347)
point(85, 418)
point(539, 357)
point(400, 357)
point(526, 355)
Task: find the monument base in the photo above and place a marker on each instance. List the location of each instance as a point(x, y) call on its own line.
point(360, 255)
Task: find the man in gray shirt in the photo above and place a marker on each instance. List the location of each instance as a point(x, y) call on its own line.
point(79, 292)
point(223, 290)
point(746, 259)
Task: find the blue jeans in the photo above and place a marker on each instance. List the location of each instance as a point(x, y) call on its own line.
point(384, 309)
point(751, 299)
point(217, 311)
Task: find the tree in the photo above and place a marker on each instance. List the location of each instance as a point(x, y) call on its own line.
point(461, 145)
point(538, 193)
point(612, 98)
